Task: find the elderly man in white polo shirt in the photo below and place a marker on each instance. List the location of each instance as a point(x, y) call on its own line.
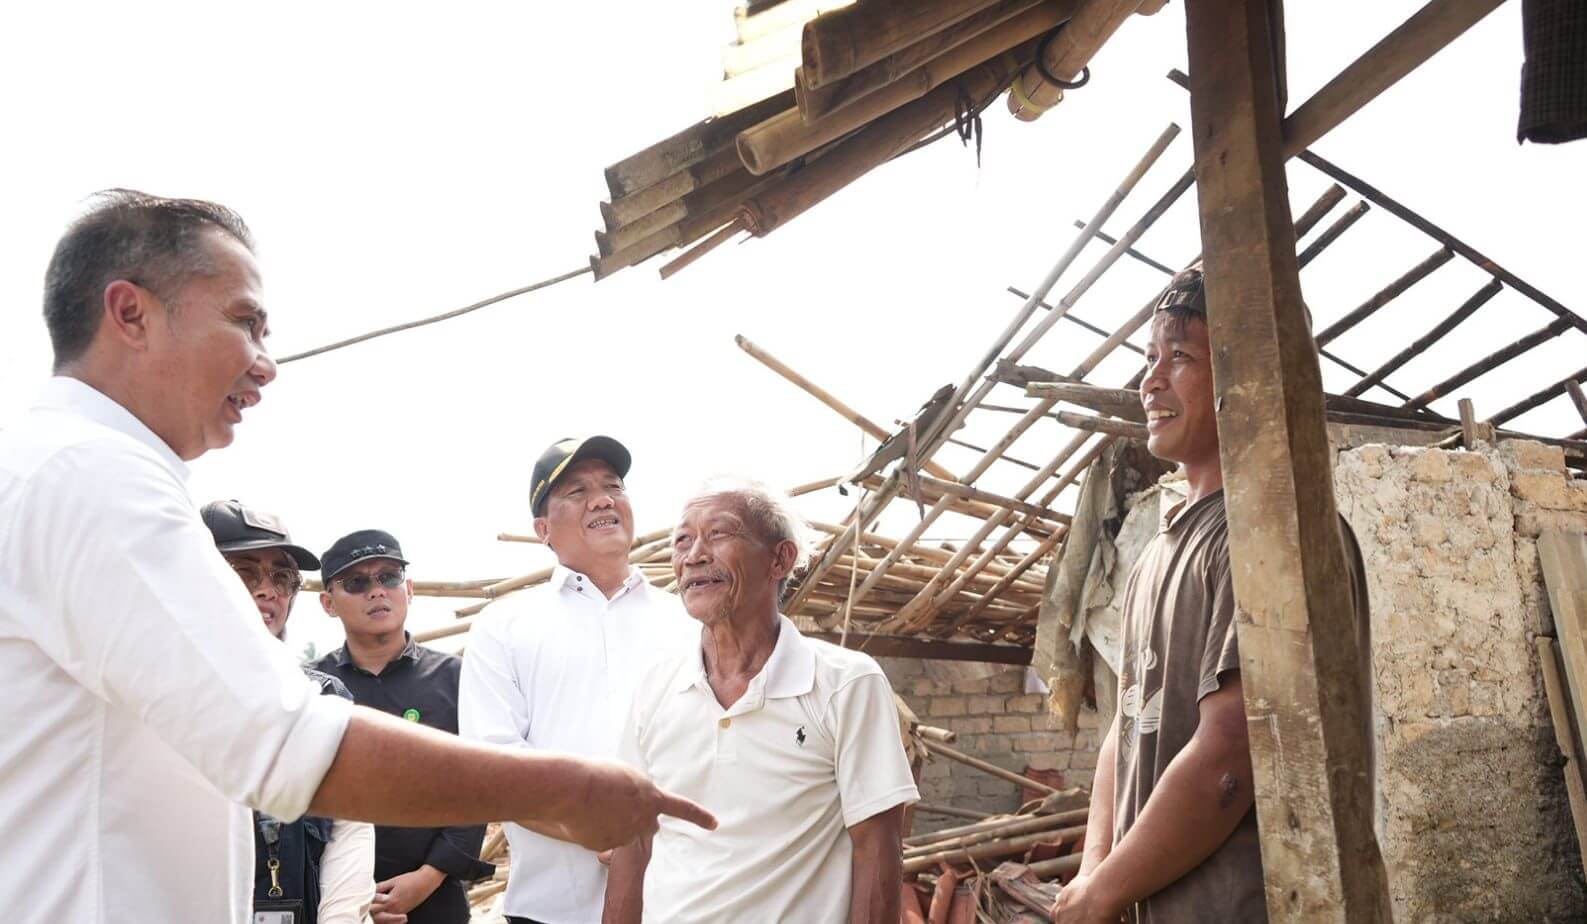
point(793, 744)
point(554, 668)
point(146, 704)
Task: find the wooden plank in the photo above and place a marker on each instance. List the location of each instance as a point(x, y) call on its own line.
point(1303, 686)
point(909, 646)
point(1562, 710)
point(1400, 52)
point(1578, 398)
point(1564, 559)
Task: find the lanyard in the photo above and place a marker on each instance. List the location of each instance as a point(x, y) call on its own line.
point(270, 830)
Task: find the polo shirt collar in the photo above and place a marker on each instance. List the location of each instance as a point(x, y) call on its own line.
point(789, 672)
point(64, 393)
point(409, 652)
point(565, 578)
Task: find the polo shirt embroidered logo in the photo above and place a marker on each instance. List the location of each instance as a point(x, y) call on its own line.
point(799, 736)
point(412, 715)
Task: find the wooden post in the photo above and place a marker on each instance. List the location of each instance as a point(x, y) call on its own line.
point(1297, 638)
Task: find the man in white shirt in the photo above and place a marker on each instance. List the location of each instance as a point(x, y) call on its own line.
point(321, 868)
point(554, 668)
point(139, 681)
point(791, 742)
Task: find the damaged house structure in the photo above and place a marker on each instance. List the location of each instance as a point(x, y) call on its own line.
point(1470, 508)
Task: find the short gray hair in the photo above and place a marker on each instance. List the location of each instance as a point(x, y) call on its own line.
point(151, 241)
point(770, 513)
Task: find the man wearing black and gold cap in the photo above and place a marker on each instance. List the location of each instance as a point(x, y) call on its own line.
point(323, 869)
point(419, 872)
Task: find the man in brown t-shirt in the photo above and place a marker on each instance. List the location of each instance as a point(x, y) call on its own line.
point(1172, 837)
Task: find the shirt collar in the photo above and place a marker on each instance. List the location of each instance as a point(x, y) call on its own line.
point(64, 393)
point(790, 671)
point(409, 652)
point(565, 578)
point(1178, 513)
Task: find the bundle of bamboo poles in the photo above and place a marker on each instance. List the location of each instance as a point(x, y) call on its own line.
point(822, 92)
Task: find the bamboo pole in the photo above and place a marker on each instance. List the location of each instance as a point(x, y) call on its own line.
point(1332, 232)
point(1132, 253)
point(1539, 397)
point(1073, 319)
point(997, 829)
point(1492, 361)
point(995, 500)
point(517, 537)
point(988, 850)
point(1387, 294)
point(785, 136)
point(1093, 23)
point(1002, 586)
point(1477, 300)
point(930, 808)
point(815, 391)
point(1384, 296)
point(957, 499)
point(937, 747)
point(1393, 207)
point(930, 605)
point(875, 144)
point(627, 209)
point(903, 618)
point(1068, 301)
point(838, 43)
point(882, 496)
point(688, 147)
point(788, 14)
point(818, 102)
point(743, 56)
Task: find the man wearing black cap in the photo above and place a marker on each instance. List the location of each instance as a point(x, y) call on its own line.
point(554, 668)
point(419, 872)
point(320, 869)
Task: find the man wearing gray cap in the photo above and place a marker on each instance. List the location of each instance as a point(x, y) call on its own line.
point(318, 870)
point(553, 668)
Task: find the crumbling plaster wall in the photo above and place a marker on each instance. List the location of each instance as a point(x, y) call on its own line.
point(1471, 805)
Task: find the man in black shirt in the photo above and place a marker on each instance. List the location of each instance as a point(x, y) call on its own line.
point(419, 872)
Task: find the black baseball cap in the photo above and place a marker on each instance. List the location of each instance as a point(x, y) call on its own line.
point(562, 454)
point(238, 529)
point(356, 547)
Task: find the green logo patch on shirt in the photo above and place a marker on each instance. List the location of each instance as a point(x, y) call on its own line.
point(412, 715)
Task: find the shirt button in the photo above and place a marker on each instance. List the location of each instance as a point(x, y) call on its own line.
point(724, 722)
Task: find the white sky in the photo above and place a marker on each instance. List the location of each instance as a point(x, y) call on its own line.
point(398, 160)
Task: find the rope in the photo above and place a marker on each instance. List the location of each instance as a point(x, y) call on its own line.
point(544, 283)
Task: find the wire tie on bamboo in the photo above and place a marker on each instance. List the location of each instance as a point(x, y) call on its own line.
point(1026, 104)
point(1048, 75)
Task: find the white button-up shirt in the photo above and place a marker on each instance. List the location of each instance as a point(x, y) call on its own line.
point(554, 668)
point(811, 749)
point(146, 706)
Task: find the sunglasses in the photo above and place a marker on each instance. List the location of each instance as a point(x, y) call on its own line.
point(286, 582)
point(360, 583)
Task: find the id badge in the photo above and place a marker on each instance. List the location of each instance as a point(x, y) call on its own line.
point(278, 911)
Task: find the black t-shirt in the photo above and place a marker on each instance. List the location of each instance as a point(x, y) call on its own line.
point(419, 685)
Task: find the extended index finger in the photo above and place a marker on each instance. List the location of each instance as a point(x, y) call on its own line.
point(679, 807)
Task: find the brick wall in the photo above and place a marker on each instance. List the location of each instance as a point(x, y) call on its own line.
point(997, 721)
